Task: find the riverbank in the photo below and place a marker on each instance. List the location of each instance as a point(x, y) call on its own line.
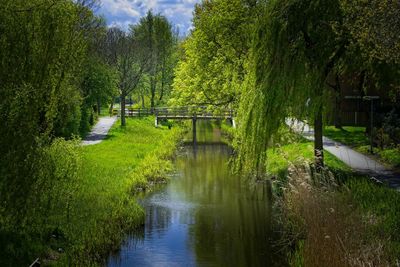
point(336, 218)
point(128, 160)
point(101, 204)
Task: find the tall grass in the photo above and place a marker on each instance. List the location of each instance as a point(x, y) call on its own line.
point(327, 226)
point(336, 218)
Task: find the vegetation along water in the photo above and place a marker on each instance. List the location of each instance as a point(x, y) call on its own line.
point(297, 164)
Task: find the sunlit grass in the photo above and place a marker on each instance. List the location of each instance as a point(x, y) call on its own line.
point(279, 158)
point(356, 138)
point(105, 207)
point(348, 135)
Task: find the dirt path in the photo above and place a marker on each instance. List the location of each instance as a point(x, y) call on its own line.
point(99, 131)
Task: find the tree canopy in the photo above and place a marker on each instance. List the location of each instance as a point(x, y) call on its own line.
point(213, 60)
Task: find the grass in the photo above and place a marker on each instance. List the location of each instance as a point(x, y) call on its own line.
point(352, 136)
point(280, 158)
point(104, 208)
point(336, 218)
point(355, 137)
point(379, 205)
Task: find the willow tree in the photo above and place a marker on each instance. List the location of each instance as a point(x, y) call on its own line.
point(296, 47)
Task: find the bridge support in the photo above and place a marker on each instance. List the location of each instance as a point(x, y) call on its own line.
point(194, 131)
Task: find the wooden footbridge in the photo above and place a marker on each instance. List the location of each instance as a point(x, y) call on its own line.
point(193, 113)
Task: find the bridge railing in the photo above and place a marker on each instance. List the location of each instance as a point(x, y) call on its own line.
point(189, 111)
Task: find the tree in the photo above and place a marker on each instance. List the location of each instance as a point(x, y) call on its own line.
point(375, 26)
point(43, 44)
point(155, 33)
point(130, 60)
point(212, 64)
point(296, 48)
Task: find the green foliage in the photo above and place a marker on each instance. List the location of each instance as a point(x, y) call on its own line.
point(156, 36)
point(375, 26)
point(48, 203)
point(213, 61)
point(392, 156)
point(42, 47)
point(82, 200)
point(280, 158)
point(98, 86)
point(294, 50)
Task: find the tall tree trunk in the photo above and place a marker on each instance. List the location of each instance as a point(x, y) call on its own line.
point(162, 90)
point(111, 106)
point(338, 103)
point(162, 81)
point(98, 106)
point(123, 122)
point(153, 91)
point(318, 142)
point(142, 97)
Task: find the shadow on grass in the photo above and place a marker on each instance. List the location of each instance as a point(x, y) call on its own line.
point(351, 136)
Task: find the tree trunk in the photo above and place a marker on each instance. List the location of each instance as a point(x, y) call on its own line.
point(338, 104)
point(123, 122)
point(338, 117)
point(111, 107)
point(153, 91)
point(98, 106)
point(143, 104)
point(318, 143)
point(162, 81)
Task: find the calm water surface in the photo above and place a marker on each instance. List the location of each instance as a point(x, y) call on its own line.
point(205, 216)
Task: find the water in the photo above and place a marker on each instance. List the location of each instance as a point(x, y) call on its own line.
point(205, 216)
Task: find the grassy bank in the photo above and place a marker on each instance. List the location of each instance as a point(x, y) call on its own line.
point(336, 218)
point(356, 138)
point(130, 158)
point(90, 205)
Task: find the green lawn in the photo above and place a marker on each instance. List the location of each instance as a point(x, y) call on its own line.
point(278, 159)
point(351, 136)
point(355, 137)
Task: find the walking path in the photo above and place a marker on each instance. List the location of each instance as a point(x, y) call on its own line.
point(99, 131)
point(357, 161)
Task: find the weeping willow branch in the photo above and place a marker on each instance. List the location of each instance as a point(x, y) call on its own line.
point(291, 58)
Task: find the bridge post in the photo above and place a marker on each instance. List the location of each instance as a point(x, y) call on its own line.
point(194, 130)
point(233, 123)
point(156, 122)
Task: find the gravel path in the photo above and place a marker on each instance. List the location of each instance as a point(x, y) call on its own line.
point(357, 161)
point(99, 131)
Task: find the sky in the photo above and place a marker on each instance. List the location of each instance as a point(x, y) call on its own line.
point(124, 12)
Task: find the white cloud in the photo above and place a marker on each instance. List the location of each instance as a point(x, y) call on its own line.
point(119, 8)
point(124, 12)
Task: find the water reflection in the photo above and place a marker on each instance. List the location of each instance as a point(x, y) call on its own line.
point(204, 217)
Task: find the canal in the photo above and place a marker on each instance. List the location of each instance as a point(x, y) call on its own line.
point(205, 216)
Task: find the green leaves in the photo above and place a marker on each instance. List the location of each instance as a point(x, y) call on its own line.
point(212, 69)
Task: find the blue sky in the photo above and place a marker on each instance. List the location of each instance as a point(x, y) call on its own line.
point(124, 12)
